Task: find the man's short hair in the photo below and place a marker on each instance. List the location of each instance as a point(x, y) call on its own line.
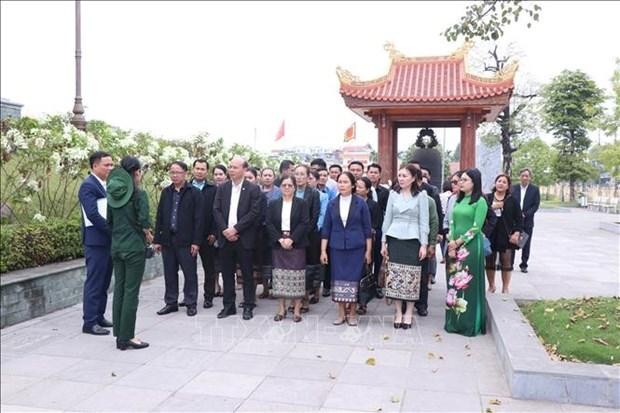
point(285, 164)
point(528, 170)
point(96, 157)
point(356, 163)
point(200, 160)
point(427, 170)
point(374, 165)
point(181, 164)
point(336, 166)
point(321, 169)
point(319, 161)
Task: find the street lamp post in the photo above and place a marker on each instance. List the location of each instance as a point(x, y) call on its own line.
point(78, 119)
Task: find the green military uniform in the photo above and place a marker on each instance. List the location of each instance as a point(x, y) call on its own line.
point(128, 216)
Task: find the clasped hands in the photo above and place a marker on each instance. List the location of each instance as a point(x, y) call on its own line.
point(231, 234)
point(286, 243)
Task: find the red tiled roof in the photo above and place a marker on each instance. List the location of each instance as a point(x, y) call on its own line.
point(432, 79)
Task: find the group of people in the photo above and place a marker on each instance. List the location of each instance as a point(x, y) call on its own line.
point(307, 229)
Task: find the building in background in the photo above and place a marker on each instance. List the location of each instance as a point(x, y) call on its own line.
point(10, 109)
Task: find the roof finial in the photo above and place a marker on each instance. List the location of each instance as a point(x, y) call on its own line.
point(462, 51)
point(391, 49)
point(345, 76)
point(508, 71)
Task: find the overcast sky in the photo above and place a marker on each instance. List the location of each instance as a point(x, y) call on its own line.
point(177, 68)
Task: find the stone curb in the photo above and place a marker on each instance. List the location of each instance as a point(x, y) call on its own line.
point(531, 373)
point(33, 292)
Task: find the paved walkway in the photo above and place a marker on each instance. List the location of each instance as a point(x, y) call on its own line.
point(205, 364)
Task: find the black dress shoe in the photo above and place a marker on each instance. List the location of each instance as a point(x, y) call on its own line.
point(226, 312)
point(247, 313)
point(422, 312)
point(207, 304)
point(95, 330)
point(129, 344)
point(168, 308)
point(523, 268)
point(379, 294)
point(191, 311)
point(105, 323)
point(326, 292)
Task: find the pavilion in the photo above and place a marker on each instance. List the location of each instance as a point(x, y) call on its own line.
point(427, 92)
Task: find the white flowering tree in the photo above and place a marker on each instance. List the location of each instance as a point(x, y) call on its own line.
point(45, 160)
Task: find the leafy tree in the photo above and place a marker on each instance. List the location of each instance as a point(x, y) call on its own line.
point(572, 104)
point(487, 19)
point(538, 156)
point(610, 123)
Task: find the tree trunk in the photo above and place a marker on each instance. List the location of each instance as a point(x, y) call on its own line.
point(571, 193)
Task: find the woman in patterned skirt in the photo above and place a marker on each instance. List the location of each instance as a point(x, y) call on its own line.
point(287, 225)
point(347, 231)
point(405, 238)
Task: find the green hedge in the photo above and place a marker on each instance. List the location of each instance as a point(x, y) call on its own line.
point(31, 245)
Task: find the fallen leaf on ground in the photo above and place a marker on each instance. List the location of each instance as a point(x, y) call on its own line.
point(431, 355)
point(386, 337)
point(468, 354)
point(331, 376)
point(581, 340)
point(467, 347)
point(435, 370)
point(371, 361)
point(370, 348)
point(495, 402)
point(440, 357)
point(488, 410)
point(113, 374)
point(319, 356)
point(600, 341)
point(395, 399)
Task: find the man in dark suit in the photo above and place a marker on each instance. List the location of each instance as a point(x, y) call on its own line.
point(97, 242)
point(207, 248)
point(528, 196)
point(380, 195)
point(237, 213)
point(178, 235)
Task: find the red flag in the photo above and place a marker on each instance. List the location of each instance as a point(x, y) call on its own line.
point(349, 134)
point(280, 133)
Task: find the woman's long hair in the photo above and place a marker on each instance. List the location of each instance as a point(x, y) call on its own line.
point(476, 177)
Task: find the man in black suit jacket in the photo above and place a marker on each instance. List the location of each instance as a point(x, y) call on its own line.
point(178, 235)
point(237, 214)
point(528, 196)
point(207, 248)
point(380, 195)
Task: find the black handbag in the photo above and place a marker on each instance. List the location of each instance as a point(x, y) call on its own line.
point(368, 286)
point(523, 237)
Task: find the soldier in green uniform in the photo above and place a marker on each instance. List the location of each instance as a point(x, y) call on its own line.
point(128, 218)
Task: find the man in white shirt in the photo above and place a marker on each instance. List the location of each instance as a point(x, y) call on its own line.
point(528, 196)
point(237, 212)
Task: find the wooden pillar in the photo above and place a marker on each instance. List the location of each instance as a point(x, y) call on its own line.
point(387, 148)
point(469, 124)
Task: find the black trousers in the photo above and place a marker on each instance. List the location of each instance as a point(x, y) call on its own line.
point(377, 259)
point(525, 251)
point(422, 302)
point(207, 258)
point(173, 258)
point(231, 254)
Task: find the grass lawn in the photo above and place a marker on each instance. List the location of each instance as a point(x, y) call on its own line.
point(583, 330)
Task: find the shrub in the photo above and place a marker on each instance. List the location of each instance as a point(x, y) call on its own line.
point(31, 245)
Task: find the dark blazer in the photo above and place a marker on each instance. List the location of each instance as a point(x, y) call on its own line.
point(190, 217)
point(531, 202)
point(376, 215)
point(248, 212)
point(299, 222)
point(208, 198)
point(97, 234)
point(511, 214)
point(313, 203)
point(382, 197)
point(358, 227)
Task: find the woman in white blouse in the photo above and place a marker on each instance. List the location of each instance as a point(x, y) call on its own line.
point(404, 242)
